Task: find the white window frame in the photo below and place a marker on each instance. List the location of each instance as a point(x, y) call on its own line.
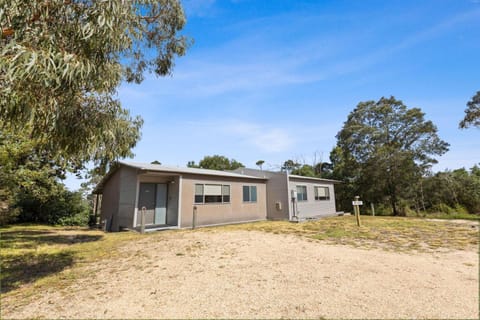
point(327, 198)
point(222, 195)
point(299, 193)
point(250, 188)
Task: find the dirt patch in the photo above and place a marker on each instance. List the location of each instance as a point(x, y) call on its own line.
point(251, 274)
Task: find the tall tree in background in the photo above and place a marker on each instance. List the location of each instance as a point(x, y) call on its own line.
point(216, 162)
point(61, 63)
point(260, 163)
point(472, 113)
point(384, 148)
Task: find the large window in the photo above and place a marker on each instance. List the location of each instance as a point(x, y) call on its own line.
point(322, 193)
point(212, 193)
point(249, 193)
point(302, 193)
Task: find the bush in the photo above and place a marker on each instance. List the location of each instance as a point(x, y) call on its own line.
point(63, 208)
point(442, 208)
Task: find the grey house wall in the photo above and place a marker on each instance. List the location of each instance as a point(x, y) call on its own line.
point(118, 200)
point(127, 200)
point(110, 199)
point(277, 192)
point(314, 208)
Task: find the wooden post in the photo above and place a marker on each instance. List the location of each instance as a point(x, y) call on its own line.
point(373, 208)
point(142, 220)
point(194, 217)
point(356, 208)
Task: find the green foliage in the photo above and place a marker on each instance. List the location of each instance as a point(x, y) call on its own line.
point(453, 189)
point(216, 162)
point(305, 170)
point(290, 166)
point(61, 207)
point(472, 113)
point(382, 151)
point(62, 61)
point(260, 163)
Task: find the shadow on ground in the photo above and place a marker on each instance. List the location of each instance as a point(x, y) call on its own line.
point(32, 239)
point(20, 263)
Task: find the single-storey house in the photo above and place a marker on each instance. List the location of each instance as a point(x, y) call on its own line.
point(169, 197)
point(292, 197)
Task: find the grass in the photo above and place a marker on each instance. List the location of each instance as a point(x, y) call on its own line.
point(36, 257)
point(49, 256)
point(450, 216)
point(389, 233)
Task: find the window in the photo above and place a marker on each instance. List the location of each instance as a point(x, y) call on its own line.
point(302, 193)
point(212, 193)
point(249, 193)
point(226, 193)
point(322, 193)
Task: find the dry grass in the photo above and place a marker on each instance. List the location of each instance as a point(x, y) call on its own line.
point(389, 233)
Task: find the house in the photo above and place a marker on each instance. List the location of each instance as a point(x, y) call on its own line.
point(296, 197)
point(169, 197)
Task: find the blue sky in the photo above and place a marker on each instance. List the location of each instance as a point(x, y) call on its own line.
point(275, 80)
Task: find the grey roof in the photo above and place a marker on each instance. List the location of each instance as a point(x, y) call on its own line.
point(160, 168)
point(313, 178)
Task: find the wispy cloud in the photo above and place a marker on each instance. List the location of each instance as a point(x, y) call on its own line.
point(265, 138)
point(199, 8)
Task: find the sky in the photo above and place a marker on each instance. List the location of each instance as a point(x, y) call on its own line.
point(275, 79)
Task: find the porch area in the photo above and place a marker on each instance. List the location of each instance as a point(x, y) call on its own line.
point(157, 202)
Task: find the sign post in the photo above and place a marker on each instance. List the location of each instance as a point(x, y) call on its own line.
point(356, 208)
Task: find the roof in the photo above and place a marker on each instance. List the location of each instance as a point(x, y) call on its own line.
point(173, 170)
point(266, 174)
point(160, 168)
point(313, 178)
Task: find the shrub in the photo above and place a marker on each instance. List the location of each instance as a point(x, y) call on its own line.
point(443, 208)
point(62, 208)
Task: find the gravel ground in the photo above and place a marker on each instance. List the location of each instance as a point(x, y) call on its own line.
point(242, 274)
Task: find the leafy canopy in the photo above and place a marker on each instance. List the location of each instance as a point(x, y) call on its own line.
point(472, 113)
point(216, 162)
point(61, 62)
point(383, 148)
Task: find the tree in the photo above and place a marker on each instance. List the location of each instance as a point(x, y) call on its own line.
point(156, 162)
point(290, 165)
point(453, 190)
point(472, 113)
point(260, 163)
point(383, 150)
point(61, 63)
point(305, 170)
point(216, 162)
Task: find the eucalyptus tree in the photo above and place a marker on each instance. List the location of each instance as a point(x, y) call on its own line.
point(62, 61)
point(472, 113)
point(383, 149)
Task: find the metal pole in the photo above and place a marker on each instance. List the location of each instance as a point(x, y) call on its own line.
point(142, 220)
point(194, 217)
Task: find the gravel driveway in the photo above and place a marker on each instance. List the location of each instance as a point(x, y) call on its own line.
point(242, 274)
